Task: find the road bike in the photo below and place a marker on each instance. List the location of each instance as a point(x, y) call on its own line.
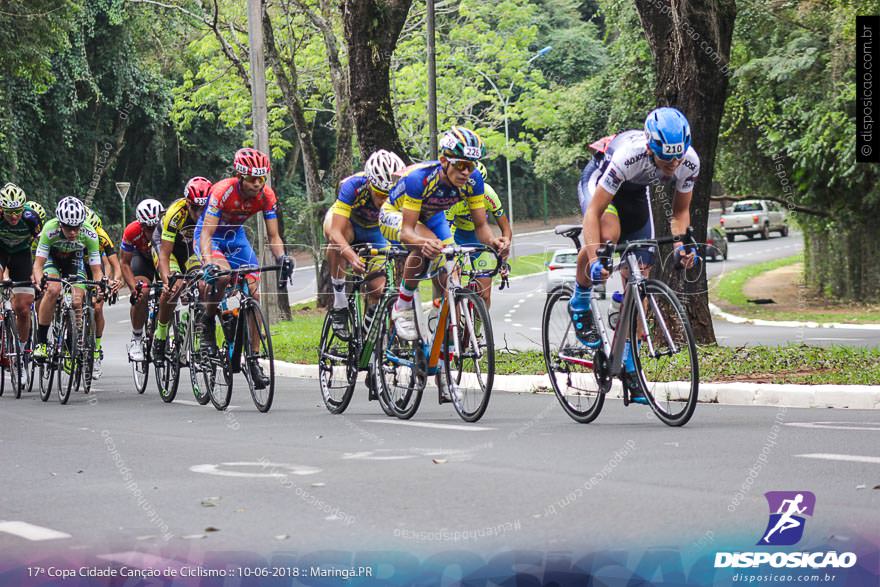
point(460, 349)
point(651, 318)
point(178, 344)
point(140, 369)
point(247, 343)
point(12, 352)
point(340, 360)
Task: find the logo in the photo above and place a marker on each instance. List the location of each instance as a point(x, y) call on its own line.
point(689, 164)
point(787, 511)
point(638, 157)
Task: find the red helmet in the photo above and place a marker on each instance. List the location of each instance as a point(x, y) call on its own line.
point(251, 162)
point(197, 190)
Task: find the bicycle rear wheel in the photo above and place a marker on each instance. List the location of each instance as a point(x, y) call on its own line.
point(256, 334)
point(401, 366)
point(168, 367)
point(337, 371)
point(666, 355)
point(193, 358)
point(30, 364)
point(66, 361)
point(569, 363)
point(140, 370)
point(87, 348)
point(470, 373)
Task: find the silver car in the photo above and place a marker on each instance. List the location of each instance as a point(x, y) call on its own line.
point(561, 268)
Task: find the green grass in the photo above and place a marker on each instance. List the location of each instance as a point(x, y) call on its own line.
point(297, 342)
point(727, 291)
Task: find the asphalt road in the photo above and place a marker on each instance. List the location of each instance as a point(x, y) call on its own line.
point(117, 472)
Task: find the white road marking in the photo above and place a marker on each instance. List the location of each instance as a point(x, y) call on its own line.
point(832, 338)
point(518, 325)
point(430, 425)
point(837, 425)
point(31, 531)
point(274, 469)
point(189, 402)
point(836, 457)
point(124, 321)
point(369, 455)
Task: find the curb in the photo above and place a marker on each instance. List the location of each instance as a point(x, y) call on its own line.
point(857, 397)
point(716, 311)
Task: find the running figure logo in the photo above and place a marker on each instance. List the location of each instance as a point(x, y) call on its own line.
point(787, 511)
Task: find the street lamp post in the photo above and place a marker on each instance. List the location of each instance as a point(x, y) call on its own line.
point(504, 103)
point(122, 188)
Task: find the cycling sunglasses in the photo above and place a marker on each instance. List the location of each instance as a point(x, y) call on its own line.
point(69, 227)
point(463, 164)
point(14, 211)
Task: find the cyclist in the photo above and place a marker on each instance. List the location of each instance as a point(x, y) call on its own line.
point(415, 213)
point(38, 209)
point(108, 252)
point(20, 226)
point(462, 225)
point(67, 243)
point(354, 219)
point(176, 251)
point(222, 244)
point(615, 198)
point(138, 264)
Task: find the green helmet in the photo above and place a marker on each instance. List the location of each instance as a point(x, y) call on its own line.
point(482, 169)
point(462, 143)
point(93, 218)
point(38, 208)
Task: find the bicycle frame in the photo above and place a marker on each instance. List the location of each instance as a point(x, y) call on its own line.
point(368, 342)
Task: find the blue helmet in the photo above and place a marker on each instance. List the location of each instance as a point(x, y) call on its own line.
point(668, 133)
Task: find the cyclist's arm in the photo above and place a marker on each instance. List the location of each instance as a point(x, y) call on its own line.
point(209, 226)
point(165, 250)
point(37, 274)
point(681, 212)
point(592, 220)
point(93, 253)
point(115, 269)
point(273, 236)
point(504, 224)
point(127, 273)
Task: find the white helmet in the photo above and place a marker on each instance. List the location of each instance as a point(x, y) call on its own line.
point(71, 211)
point(12, 197)
point(381, 167)
point(149, 212)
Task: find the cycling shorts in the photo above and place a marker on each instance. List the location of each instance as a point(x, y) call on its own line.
point(20, 266)
point(231, 244)
point(391, 219)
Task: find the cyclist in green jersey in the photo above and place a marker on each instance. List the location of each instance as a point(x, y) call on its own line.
point(67, 242)
point(19, 227)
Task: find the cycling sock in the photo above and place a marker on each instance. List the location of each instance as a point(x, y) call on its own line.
point(137, 334)
point(339, 299)
point(580, 301)
point(97, 343)
point(42, 333)
point(405, 299)
point(161, 331)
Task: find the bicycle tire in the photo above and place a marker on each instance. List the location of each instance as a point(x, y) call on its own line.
point(192, 357)
point(662, 395)
point(14, 349)
point(470, 393)
point(67, 356)
point(335, 354)
point(4, 366)
point(401, 366)
point(30, 364)
point(46, 367)
point(87, 350)
point(217, 376)
point(168, 368)
point(569, 363)
point(266, 357)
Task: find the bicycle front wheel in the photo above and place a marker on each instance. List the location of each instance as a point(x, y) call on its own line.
point(666, 355)
point(259, 360)
point(167, 367)
point(193, 360)
point(569, 363)
point(401, 367)
point(13, 348)
point(216, 375)
point(469, 372)
point(337, 373)
point(87, 348)
point(66, 359)
point(30, 364)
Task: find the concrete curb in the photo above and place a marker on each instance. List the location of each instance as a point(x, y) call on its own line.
point(716, 311)
point(859, 397)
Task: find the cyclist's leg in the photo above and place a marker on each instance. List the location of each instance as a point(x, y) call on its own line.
point(144, 270)
point(339, 312)
point(376, 283)
point(19, 265)
point(52, 268)
point(166, 306)
point(481, 261)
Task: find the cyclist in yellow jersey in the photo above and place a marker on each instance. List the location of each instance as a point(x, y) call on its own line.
point(459, 217)
point(176, 254)
point(113, 270)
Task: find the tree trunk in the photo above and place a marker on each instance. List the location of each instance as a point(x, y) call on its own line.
point(372, 28)
point(690, 42)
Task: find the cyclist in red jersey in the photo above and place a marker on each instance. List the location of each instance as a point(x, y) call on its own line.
point(138, 264)
point(221, 242)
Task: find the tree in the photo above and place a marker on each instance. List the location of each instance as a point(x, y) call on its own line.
point(690, 43)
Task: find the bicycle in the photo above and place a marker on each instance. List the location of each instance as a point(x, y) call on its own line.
point(141, 369)
point(457, 351)
point(180, 342)
point(243, 323)
point(85, 363)
point(340, 360)
point(651, 317)
point(11, 349)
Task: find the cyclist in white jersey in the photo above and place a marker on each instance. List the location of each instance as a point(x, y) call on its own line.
point(615, 198)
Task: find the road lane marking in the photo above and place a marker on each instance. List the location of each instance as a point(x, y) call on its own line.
point(837, 425)
point(835, 457)
point(430, 425)
point(31, 532)
point(275, 469)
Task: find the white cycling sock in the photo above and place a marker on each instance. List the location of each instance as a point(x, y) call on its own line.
point(405, 299)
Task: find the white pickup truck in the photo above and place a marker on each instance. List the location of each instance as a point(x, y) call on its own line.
point(751, 217)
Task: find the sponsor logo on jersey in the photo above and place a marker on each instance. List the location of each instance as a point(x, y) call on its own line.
point(635, 159)
point(689, 164)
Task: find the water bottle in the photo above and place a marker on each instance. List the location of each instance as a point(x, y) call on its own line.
point(614, 309)
point(434, 315)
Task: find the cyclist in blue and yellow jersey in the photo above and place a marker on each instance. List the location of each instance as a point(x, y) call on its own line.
point(20, 226)
point(354, 219)
point(615, 198)
point(459, 217)
point(113, 270)
point(415, 213)
point(177, 251)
